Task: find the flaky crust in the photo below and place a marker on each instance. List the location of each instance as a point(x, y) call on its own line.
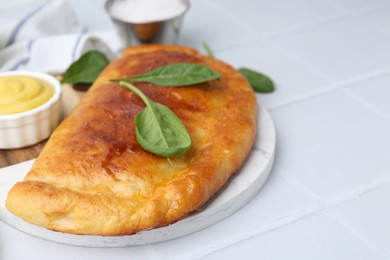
point(92, 177)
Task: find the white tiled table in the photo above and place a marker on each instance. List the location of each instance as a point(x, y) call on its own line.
point(328, 196)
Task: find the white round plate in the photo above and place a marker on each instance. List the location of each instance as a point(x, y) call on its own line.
point(240, 189)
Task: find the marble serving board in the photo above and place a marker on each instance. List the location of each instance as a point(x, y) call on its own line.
point(240, 189)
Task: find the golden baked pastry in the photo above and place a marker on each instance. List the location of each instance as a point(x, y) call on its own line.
point(92, 177)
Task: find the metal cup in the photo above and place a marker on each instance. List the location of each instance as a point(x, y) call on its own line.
point(152, 31)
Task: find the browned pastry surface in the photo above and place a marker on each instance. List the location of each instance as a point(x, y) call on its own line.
point(92, 177)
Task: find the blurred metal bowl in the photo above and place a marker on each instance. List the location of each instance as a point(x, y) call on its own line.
point(153, 30)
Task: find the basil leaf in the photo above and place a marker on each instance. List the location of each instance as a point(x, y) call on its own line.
point(177, 74)
point(161, 132)
point(208, 50)
point(260, 82)
point(158, 129)
point(86, 69)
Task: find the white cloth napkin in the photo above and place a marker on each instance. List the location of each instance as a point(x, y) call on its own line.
point(48, 39)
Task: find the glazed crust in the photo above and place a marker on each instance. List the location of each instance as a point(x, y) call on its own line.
point(93, 178)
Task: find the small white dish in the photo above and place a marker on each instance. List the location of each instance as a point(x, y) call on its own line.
point(34, 125)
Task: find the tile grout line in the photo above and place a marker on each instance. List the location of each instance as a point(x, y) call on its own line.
point(226, 12)
point(353, 194)
point(267, 39)
point(306, 213)
point(300, 61)
point(303, 97)
point(359, 14)
point(348, 197)
point(334, 87)
point(302, 188)
point(259, 231)
point(236, 44)
point(359, 192)
point(304, 26)
point(365, 103)
point(319, 72)
point(344, 13)
point(360, 78)
point(359, 236)
point(369, 7)
point(289, 29)
point(333, 82)
point(357, 9)
point(229, 45)
point(341, 85)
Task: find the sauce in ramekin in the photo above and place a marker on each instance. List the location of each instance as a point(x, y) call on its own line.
point(22, 93)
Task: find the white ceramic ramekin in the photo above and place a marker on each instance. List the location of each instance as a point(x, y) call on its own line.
point(32, 126)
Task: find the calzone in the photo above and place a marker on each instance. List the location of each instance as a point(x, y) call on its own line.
point(92, 177)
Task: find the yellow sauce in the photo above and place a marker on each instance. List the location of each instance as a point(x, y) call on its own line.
point(22, 93)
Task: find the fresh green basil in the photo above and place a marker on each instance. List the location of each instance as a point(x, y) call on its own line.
point(177, 74)
point(86, 69)
point(208, 50)
point(260, 82)
point(158, 129)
